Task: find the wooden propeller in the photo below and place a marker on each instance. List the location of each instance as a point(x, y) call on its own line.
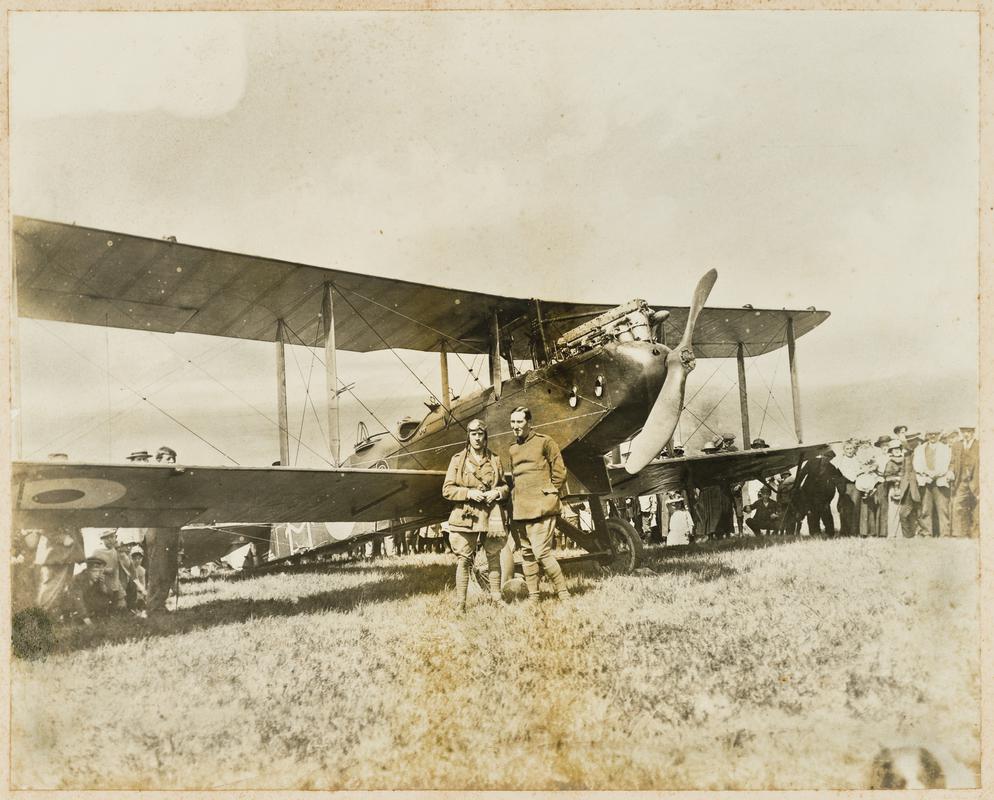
point(665, 412)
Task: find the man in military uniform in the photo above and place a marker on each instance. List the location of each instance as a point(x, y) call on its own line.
point(538, 474)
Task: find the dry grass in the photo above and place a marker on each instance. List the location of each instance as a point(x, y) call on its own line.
point(786, 666)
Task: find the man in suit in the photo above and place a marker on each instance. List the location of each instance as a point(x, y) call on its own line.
point(816, 482)
point(931, 463)
point(538, 474)
point(766, 518)
point(964, 475)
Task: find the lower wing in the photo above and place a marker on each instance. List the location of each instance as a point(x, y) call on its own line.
point(709, 470)
point(46, 494)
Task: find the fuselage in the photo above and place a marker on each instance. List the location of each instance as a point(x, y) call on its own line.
point(599, 397)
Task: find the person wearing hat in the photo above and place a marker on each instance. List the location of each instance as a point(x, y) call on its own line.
point(758, 444)
point(162, 550)
point(727, 444)
point(897, 493)
point(815, 489)
point(848, 467)
point(141, 587)
point(165, 455)
point(765, 513)
point(115, 576)
point(90, 595)
point(644, 512)
point(931, 462)
point(474, 482)
point(681, 526)
point(139, 456)
point(127, 573)
point(882, 444)
point(714, 507)
point(964, 476)
point(783, 485)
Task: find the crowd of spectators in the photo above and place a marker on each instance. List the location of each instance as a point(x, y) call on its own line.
point(52, 570)
point(899, 485)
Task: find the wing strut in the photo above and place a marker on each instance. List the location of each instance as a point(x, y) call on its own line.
point(743, 397)
point(494, 356)
point(331, 374)
point(795, 391)
point(283, 421)
point(443, 368)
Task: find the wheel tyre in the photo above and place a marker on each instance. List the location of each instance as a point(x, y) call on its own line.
point(626, 546)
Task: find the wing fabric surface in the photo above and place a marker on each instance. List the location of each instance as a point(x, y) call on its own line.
point(111, 495)
point(70, 273)
point(709, 470)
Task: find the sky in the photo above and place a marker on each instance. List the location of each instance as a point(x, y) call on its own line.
point(825, 159)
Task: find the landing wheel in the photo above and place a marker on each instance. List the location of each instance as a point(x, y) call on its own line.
point(626, 546)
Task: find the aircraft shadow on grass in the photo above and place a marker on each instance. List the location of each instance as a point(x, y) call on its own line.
point(387, 582)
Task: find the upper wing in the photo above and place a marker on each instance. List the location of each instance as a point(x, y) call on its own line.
point(106, 495)
point(710, 470)
point(71, 273)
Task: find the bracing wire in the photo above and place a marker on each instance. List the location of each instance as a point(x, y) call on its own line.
point(367, 409)
point(703, 422)
point(361, 296)
point(143, 390)
point(150, 402)
point(392, 350)
point(303, 413)
point(309, 400)
point(775, 337)
point(122, 307)
point(469, 374)
point(772, 395)
point(470, 371)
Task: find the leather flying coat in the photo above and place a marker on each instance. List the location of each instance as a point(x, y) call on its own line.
point(464, 474)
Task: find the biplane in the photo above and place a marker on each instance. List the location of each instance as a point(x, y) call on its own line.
point(598, 376)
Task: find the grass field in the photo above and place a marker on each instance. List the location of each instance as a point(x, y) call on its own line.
point(742, 666)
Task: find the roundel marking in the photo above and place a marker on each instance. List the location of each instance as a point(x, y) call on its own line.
point(54, 496)
point(71, 493)
point(381, 464)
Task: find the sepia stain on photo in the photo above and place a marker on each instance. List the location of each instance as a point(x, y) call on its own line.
point(494, 401)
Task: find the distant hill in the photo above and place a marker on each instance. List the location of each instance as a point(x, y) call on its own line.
point(830, 413)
